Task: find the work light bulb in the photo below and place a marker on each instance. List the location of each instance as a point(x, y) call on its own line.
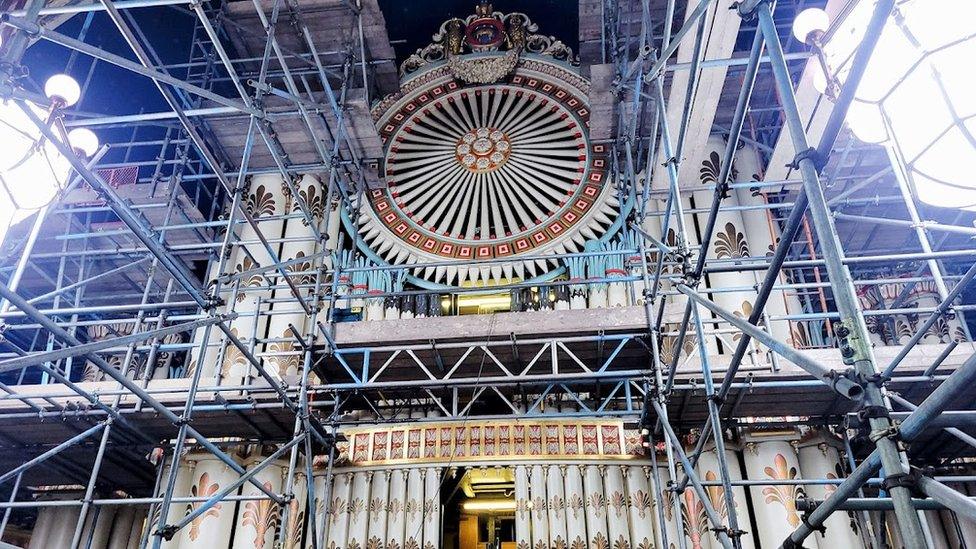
point(810, 23)
point(84, 140)
point(818, 78)
point(63, 89)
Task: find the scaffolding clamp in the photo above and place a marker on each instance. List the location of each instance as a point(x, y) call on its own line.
point(873, 412)
point(808, 154)
point(892, 431)
point(903, 480)
point(167, 532)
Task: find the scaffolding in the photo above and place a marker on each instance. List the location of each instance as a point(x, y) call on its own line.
point(129, 264)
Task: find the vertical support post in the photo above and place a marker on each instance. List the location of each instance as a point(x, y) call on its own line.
point(845, 297)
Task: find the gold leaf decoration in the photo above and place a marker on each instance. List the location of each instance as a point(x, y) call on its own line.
point(263, 516)
point(782, 494)
point(202, 489)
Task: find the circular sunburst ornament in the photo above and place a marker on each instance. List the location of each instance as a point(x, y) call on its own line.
point(483, 150)
point(488, 171)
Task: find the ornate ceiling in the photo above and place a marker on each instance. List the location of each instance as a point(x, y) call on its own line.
point(487, 155)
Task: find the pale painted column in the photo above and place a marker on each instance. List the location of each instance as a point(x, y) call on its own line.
point(378, 509)
point(266, 201)
point(671, 508)
point(63, 530)
point(523, 528)
point(762, 234)
point(103, 526)
point(575, 507)
point(359, 509)
point(284, 357)
point(774, 505)
point(211, 529)
point(43, 528)
point(432, 508)
point(641, 508)
point(616, 497)
point(257, 519)
point(297, 510)
point(414, 534)
point(936, 532)
point(556, 496)
point(952, 526)
point(138, 523)
point(184, 481)
point(728, 242)
point(709, 471)
point(894, 534)
point(595, 506)
point(819, 457)
point(540, 508)
point(395, 524)
point(967, 526)
point(337, 510)
point(122, 529)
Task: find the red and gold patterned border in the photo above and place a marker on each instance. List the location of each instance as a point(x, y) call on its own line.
point(578, 202)
point(490, 440)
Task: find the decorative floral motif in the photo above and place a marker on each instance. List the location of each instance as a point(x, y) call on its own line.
point(695, 519)
point(233, 356)
point(617, 502)
point(374, 543)
point(576, 504)
point(411, 544)
point(783, 494)
point(731, 243)
point(335, 508)
point(621, 543)
point(599, 541)
point(642, 501)
point(712, 168)
point(293, 530)
point(578, 543)
point(263, 516)
point(539, 505)
point(314, 200)
point(413, 507)
point(260, 202)
point(356, 508)
point(250, 281)
point(557, 504)
point(558, 543)
point(202, 489)
point(395, 507)
point(598, 503)
point(277, 356)
point(376, 508)
point(716, 495)
point(522, 508)
point(669, 343)
point(299, 271)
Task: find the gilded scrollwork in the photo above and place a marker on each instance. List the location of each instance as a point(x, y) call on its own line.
point(486, 31)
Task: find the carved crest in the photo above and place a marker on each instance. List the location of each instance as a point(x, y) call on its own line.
point(486, 46)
